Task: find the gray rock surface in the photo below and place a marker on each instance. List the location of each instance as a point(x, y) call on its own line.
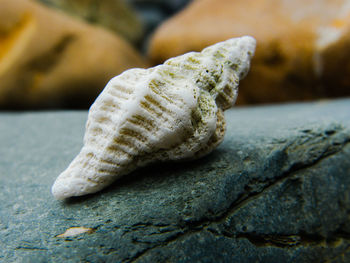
point(276, 190)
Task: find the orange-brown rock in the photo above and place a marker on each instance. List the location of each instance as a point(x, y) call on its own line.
point(303, 49)
point(48, 59)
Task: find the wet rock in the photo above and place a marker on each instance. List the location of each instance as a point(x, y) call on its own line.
point(302, 47)
point(48, 59)
point(154, 12)
point(276, 190)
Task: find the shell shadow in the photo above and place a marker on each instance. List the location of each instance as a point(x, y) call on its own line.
point(157, 173)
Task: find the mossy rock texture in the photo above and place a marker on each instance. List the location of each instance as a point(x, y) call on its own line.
point(115, 15)
point(276, 190)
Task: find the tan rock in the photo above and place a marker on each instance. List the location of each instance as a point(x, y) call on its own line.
point(48, 59)
point(303, 49)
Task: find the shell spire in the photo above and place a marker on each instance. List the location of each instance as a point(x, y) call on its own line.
point(173, 111)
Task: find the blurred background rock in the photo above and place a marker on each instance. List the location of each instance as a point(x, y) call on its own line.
point(51, 60)
point(65, 60)
point(303, 47)
point(115, 15)
point(135, 20)
point(153, 12)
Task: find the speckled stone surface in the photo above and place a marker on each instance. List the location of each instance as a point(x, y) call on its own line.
point(276, 190)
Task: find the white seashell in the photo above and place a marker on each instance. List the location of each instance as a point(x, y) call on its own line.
point(172, 111)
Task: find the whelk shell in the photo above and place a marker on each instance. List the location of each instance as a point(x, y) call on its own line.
point(172, 111)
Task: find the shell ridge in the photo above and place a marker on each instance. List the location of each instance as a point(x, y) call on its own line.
point(172, 111)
